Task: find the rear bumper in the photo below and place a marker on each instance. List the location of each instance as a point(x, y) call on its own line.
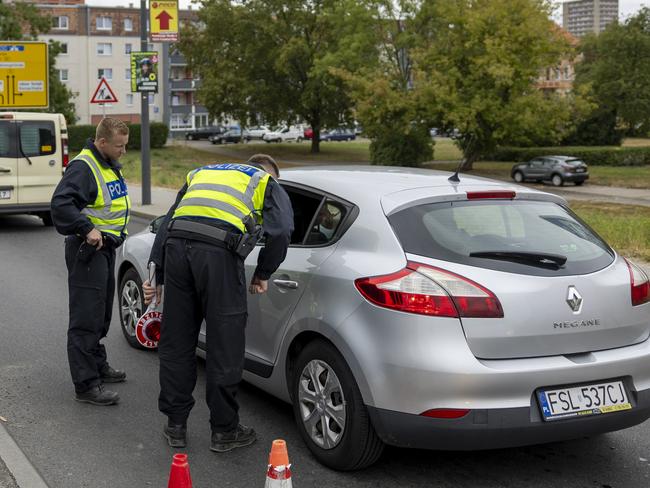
point(576, 177)
point(24, 208)
point(499, 428)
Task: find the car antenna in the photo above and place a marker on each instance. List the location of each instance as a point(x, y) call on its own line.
point(454, 178)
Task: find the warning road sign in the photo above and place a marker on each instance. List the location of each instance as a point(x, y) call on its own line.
point(163, 20)
point(23, 75)
point(103, 93)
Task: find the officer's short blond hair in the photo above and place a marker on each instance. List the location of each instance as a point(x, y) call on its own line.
point(109, 127)
point(266, 161)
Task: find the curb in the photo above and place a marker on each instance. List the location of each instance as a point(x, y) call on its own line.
point(24, 473)
point(142, 214)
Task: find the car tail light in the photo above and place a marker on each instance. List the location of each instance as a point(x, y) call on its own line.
point(445, 413)
point(66, 155)
point(427, 290)
point(639, 284)
point(482, 195)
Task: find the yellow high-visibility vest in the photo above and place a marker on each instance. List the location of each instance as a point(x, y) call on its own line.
point(109, 213)
point(230, 192)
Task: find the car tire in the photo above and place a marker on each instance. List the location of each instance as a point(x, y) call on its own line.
point(356, 445)
point(131, 305)
point(46, 217)
point(579, 183)
point(518, 176)
point(189, 137)
point(299, 139)
point(557, 180)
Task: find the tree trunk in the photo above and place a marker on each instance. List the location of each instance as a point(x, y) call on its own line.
point(315, 139)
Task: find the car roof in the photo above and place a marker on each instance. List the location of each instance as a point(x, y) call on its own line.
point(396, 186)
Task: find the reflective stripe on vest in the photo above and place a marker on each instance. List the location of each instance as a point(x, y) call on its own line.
point(109, 211)
point(228, 192)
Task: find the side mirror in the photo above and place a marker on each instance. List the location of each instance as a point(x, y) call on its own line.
point(155, 224)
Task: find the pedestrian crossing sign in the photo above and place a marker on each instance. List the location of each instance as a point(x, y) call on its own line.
point(103, 93)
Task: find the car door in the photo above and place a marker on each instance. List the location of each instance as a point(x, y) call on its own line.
point(8, 163)
point(312, 243)
point(39, 161)
point(535, 169)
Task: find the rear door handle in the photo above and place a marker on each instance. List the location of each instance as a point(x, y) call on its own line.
point(5, 170)
point(291, 285)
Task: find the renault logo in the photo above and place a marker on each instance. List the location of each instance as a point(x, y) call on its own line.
point(574, 299)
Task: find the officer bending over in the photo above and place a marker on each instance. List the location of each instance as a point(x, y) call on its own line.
point(218, 215)
point(90, 206)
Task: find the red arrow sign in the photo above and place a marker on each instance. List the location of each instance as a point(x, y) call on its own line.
point(163, 19)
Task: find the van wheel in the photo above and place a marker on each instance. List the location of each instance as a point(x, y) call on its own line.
point(329, 411)
point(131, 302)
point(47, 219)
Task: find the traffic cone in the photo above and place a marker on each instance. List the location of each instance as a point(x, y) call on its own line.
point(279, 472)
point(179, 474)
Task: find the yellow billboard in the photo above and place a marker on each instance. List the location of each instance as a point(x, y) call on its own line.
point(24, 71)
point(163, 20)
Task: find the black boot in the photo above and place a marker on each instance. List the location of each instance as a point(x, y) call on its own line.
point(176, 434)
point(110, 375)
point(97, 395)
point(226, 441)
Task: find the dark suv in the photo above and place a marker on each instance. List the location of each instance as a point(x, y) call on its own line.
point(556, 169)
point(203, 132)
point(233, 134)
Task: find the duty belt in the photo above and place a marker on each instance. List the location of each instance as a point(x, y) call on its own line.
point(230, 239)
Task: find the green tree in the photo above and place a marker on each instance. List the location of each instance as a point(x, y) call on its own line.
point(272, 60)
point(616, 66)
point(476, 63)
point(21, 21)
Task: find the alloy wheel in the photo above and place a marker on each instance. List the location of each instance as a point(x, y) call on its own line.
point(322, 404)
point(130, 306)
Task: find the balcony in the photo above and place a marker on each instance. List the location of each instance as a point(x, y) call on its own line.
point(184, 85)
point(187, 109)
point(177, 60)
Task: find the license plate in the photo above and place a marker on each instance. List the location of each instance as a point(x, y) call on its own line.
point(579, 401)
point(5, 194)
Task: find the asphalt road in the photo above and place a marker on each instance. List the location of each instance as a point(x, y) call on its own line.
point(76, 445)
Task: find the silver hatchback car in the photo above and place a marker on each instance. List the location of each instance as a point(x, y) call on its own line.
point(555, 169)
point(418, 312)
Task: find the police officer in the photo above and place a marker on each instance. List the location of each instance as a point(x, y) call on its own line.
point(90, 206)
point(217, 217)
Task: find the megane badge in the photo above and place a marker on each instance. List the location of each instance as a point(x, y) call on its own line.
point(574, 299)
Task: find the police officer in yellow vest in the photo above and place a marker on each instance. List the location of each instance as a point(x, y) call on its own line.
point(219, 214)
point(90, 206)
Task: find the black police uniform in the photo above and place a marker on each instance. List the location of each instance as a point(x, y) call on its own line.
point(91, 273)
point(204, 279)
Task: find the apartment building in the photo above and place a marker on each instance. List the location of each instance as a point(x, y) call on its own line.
point(580, 17)
point(559, 79)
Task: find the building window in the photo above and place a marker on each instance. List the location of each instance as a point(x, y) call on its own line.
point(127, 74)
point(129, 99)
point(128, 47)
point(63, 75)
point(104, 23)
point(107, 73)
point(151, 99)
point(179, 121)
point(60, 22)
point(64, 47)
point(128, 25)
point(104, 48)
point(176, 100)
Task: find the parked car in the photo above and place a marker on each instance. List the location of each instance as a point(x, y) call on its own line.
point(204, 132)
point(417, 312)
point(284, 134)
point(256, 132)
point(233, 134)
point(33, 155)
point(338, 135)
point(556, 169)
point(308, 133)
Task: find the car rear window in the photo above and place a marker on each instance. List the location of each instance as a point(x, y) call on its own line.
point(37, 138)
point(452, 231)
point(574, 162)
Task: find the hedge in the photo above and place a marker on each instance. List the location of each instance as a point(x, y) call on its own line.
point(595, 156)
point(78, 134)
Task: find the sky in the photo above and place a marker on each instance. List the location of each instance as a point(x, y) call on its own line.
point(625, 7)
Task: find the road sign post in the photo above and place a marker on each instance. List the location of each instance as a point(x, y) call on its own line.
point(24, 75)
point(144, 117)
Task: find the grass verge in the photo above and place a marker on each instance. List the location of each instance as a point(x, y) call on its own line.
point(625, 227)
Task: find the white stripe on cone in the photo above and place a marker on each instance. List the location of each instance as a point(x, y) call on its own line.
point(278, 477)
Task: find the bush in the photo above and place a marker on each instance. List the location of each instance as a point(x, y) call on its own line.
point(598, 130)
point(394, 148)
point(78, 134)
point(595, 156)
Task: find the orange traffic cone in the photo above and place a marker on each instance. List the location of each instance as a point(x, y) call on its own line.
point(179, 475)
point(279, 472)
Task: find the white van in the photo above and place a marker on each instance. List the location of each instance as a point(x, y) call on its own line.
point(33, 155)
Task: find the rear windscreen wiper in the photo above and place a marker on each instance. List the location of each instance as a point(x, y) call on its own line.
point(544, 260)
